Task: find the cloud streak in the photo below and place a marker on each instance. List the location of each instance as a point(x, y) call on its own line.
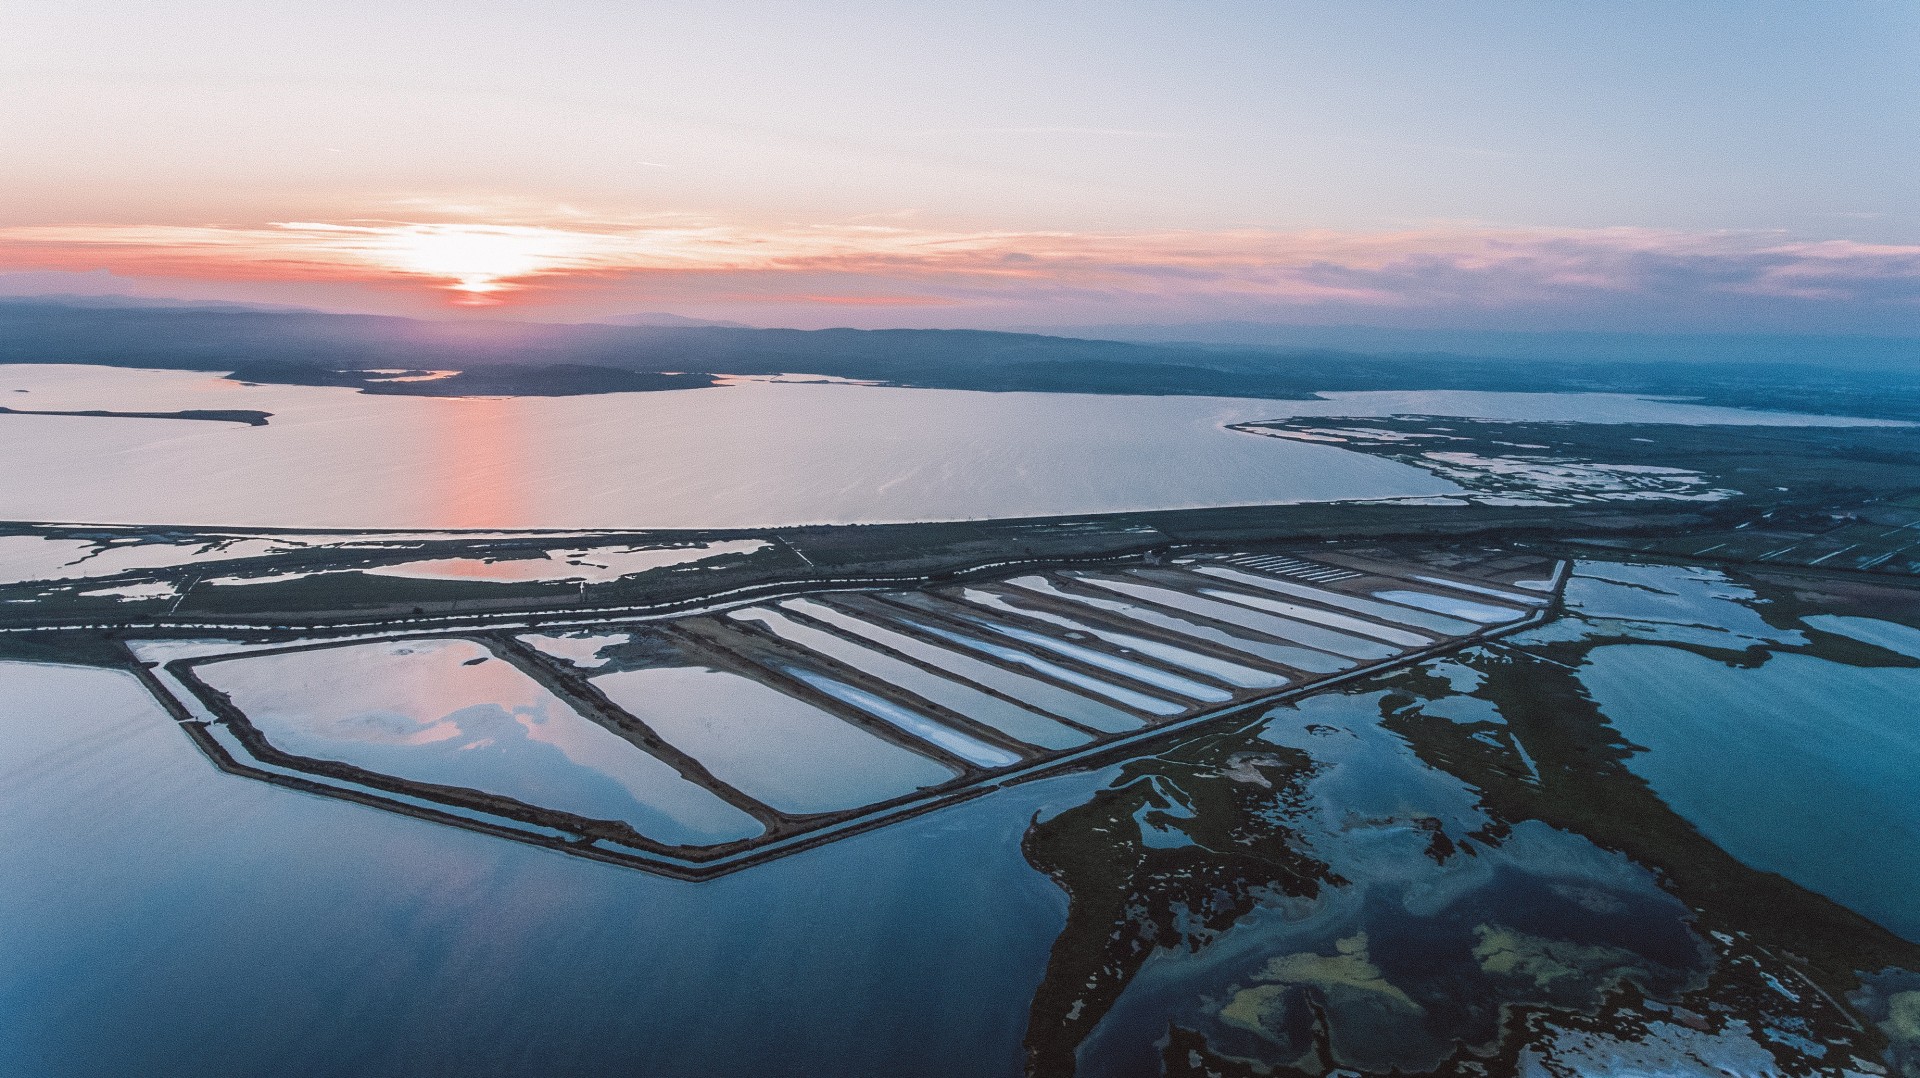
point(1153, 274)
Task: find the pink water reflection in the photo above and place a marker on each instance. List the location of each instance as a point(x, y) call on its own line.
point(480, 445)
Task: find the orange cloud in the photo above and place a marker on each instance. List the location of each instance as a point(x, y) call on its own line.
point(867, 265)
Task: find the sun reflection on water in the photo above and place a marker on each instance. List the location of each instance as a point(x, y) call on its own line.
point(479, 481)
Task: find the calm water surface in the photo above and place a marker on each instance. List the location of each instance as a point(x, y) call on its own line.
point(448, 712)
point(162, 918)
point(1801, 766)
point(749, 455)
point(771, 746)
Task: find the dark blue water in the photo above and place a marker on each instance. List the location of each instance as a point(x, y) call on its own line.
point(157, 917)
point(1799, 766)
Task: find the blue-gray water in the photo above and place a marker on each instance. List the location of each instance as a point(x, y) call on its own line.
point(1800, 766)
point(158, 917)
point(161, 918)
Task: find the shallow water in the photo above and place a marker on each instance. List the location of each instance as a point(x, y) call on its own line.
point(1484, 613)
point(1138, 701)
point(750, 455)
point(1229, 673)
point(447, 712)
point(966, 747)
point(1238, 615)
point(35, 557)
point(988, 710)
point(595, 565)
point(1666, 602)
point(1893, 636)
point(1318, 616)
point(1801, 766)
point(1031, 691)
point(234, 929)
point(157, 590)
point(577, 649)
point(1397, 954)
point(1317, 662)
point(1387, 612)
point(772, 747)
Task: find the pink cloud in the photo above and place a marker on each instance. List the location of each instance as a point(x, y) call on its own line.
point(567, 266)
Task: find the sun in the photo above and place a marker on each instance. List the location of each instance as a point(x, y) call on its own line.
point(479, 260)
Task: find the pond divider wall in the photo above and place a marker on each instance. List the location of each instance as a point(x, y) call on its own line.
point(934, 618)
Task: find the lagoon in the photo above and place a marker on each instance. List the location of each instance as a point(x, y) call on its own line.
point(449, 713)
point(1800, 766)
point(748, 455)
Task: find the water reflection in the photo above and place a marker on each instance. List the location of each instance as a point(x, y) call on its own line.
point(478, 472)
point(1453, 868)
point(447, 712)
point(1836, 749)
point(778, 749)
point(1305, 890)
point(736, 456)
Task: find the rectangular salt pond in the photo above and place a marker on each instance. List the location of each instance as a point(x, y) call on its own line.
point(1012, 656)
point(1031, 691)
point(231, 744)
point(1480, 589)
point(779, 750)
point(1384, 611)
point(1304, 630)
point(965, 746)
point(1314, 662)
point(1484, 613)
point(449, 713)
point(1135, 670)
point(983, 708)
point(1242, 616)
point(1345, 623)
point(1230, 673)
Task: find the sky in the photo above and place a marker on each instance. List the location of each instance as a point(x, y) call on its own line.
point(1627, 166)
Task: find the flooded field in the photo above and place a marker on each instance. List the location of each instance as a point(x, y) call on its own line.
point(788, 753)
point(1454, 868)
point(1835, 750)
point(29, 558)
point(449, 713)
point(1502, 859)
point(1539, 853)
point(1529, 461)
point(702, 743)
point(749, 455)
point(592, 565)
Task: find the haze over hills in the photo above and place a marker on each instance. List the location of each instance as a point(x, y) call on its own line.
point(1567, 345)
point(316, 347)
point(662, 318)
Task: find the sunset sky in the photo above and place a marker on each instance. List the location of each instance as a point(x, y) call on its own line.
point(1693, 166)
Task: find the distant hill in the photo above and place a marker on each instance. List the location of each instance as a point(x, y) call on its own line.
point(220, 338)
point(525, 358)
point(1564, 346)
point(659, 318)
